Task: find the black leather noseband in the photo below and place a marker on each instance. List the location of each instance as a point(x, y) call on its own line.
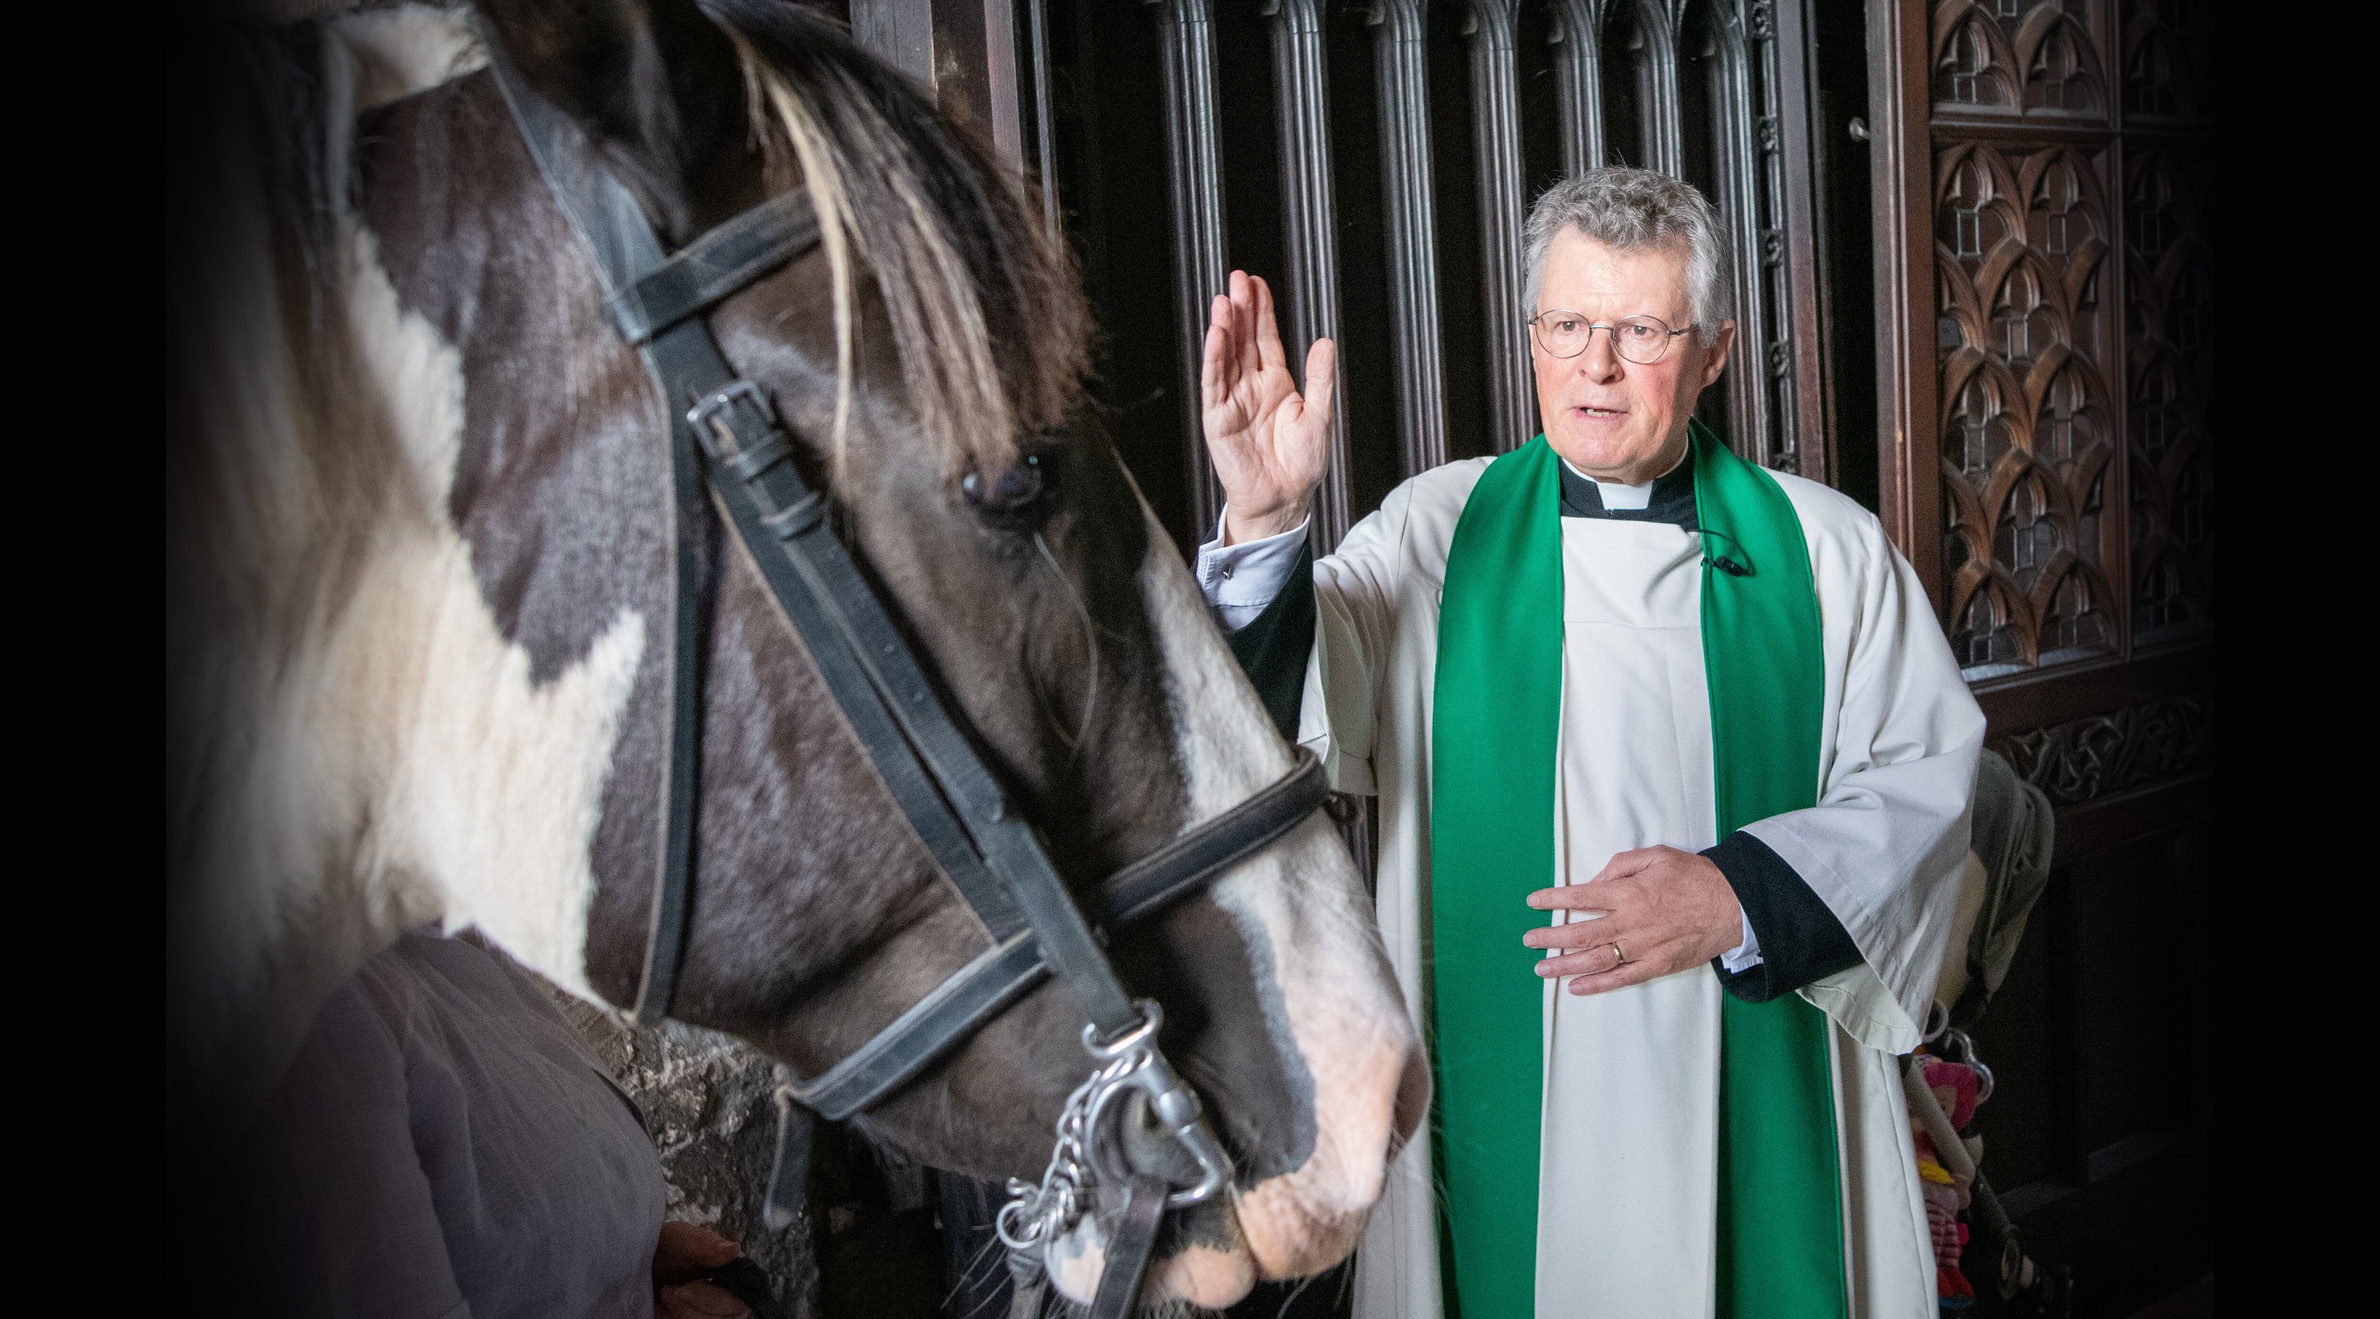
point(728, 450)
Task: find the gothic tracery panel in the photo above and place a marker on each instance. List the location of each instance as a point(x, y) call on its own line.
point(2030, 58)
point(2026, 424)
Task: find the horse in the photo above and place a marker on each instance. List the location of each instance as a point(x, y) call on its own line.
point(423, 556)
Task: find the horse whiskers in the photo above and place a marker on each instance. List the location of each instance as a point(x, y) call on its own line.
point(988, 1250)
point(1090, 635)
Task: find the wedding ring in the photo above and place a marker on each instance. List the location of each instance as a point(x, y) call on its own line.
point(1619, 959)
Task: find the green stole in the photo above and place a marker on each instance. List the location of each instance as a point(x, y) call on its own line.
point(1498, 694)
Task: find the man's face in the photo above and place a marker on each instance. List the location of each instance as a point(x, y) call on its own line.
point(1614, 419)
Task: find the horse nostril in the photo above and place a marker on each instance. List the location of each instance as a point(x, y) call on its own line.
point(1009, 492)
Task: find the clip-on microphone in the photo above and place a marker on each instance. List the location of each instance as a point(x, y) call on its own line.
point(1721, 561)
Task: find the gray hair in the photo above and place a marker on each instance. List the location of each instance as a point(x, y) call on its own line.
point(1632, 209)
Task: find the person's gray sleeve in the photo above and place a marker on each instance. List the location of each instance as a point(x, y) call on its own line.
point(1240, 580)
point(349, 1224)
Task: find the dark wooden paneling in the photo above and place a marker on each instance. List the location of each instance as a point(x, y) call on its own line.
point(2040, 176)
point(2132, 1236)
point(2133, 1000)
point(2096, 1133)
point(1109, 130)
point(1374, 442)
point(2077, 690)
point(1468, 379)
point(1900, 191)
point(1839, 143)
point(1792, 169)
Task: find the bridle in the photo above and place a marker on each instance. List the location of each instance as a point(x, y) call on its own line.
point(728, 450)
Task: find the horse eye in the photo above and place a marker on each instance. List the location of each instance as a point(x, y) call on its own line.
point(1010, 497)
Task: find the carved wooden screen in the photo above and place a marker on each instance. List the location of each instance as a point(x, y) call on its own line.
point(2040, 172)
point(2055, 487)
point(2039, 196)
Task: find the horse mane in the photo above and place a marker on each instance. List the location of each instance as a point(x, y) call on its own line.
point(985, 310)
point(287, 467)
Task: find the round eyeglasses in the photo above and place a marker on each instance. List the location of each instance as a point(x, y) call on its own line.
point(1643, 340)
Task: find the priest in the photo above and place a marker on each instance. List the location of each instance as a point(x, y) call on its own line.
point(1673, 769)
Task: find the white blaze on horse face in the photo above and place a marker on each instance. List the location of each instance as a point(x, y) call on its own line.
point(1319, 967)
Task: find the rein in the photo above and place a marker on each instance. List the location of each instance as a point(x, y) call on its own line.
point(728, 449)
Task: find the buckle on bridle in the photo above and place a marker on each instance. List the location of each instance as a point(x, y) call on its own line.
point(745, 450)
point(1036, 1216)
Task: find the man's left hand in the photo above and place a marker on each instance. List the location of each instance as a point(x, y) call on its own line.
point(1663, 911)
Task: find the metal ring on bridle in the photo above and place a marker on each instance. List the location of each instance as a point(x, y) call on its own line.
point(1151, 1017)
point(1132, 1061)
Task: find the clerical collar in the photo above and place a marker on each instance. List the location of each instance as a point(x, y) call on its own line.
point(1670, 500)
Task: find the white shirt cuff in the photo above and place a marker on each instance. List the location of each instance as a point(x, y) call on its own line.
point(1240, 580)
point(1745, 955)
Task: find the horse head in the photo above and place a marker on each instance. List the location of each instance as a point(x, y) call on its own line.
point(422, 664)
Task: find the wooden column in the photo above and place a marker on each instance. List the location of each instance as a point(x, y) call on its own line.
point(1799, 283)
point(1901, 176)
point(1045, 147)
point(899, 32)
point(1578, 82)
point(1186, 39)
point(964, 49)
point(1309, 219)
point(1496, 141)
point(1761, 357)
point(1400, 59)
point(1657, 90)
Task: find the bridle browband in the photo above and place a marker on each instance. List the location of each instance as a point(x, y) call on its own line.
point(728, 449)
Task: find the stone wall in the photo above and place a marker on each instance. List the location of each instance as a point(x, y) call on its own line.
point(706, 1102)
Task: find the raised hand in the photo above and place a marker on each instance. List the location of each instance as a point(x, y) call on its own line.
point(1269, 443)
